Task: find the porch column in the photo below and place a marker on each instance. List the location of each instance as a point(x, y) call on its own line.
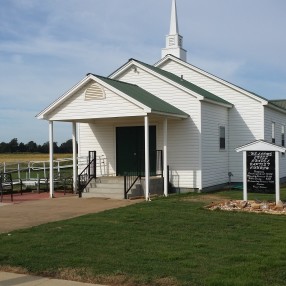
point(147, 168)
point(74, 148)
point(165, 158)
point(244, 176)
point(277, 177)
point(51, 147)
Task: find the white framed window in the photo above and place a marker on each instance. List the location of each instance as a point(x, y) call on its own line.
point(222, 138)
point(273, 132)
point(283, 135)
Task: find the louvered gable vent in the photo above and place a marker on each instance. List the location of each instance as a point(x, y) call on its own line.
point(94, 92)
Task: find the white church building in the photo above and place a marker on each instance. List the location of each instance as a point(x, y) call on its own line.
point(188, 118)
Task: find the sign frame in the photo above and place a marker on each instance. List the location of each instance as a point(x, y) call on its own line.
point(262, 146)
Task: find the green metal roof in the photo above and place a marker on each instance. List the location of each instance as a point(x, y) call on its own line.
point(186, 84)
point(153, 102)
point(279, 102)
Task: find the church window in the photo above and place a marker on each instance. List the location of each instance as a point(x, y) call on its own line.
point(222, 138)
point(273, 132)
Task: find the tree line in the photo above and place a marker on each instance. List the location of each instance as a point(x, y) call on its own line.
point(31, 147)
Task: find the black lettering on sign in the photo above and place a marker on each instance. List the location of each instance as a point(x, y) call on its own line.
point(261, 171)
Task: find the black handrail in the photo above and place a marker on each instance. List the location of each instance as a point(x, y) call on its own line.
point(130, 178)
point(129, 182)
point(87, 174)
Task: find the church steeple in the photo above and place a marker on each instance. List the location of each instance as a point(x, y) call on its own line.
point(174, 27)
point(174, 42)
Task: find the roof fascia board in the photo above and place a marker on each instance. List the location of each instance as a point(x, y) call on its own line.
point(170, 114)
point(232, 86)
point(218, 103)
point(62, 98)
point(121, 69)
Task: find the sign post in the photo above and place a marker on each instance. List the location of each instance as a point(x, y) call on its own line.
point(261, 172)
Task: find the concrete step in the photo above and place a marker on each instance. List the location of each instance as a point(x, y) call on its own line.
point(103, 195)
point(106, 187)
point(113, 187)
point(110, 180)
point(105, 190)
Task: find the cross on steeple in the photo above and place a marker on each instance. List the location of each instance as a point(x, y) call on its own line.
point(174, 42)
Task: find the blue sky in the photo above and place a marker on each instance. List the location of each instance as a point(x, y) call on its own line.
point(47, 46)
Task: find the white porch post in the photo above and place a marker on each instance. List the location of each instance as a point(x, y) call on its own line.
point(74, 148)
point(51, 147)
point(165, 159)
point(277, 176)
point(147, 169)
point(244, 176)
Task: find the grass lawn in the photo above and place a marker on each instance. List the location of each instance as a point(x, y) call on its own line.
point(169, 241)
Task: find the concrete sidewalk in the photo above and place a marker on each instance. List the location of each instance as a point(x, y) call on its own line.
point(12, 279)
point(33, 213)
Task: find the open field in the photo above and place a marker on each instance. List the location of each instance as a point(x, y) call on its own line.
point(169, 241)
point(23, 157)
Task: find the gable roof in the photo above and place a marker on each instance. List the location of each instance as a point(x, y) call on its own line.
point(279, 102)
point(276, 104)
point(156, 104)
point(261, 145)
point(135, 94)
point(186, 84)
point(236, 87)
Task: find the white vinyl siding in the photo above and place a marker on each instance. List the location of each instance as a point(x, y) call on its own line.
point(245, 118)
point(214, 160)
point(78, 108)
point(99, 137)
point(183, 135)
point(271, 116)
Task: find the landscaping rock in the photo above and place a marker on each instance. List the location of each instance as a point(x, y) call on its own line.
point(243, 204)
point(249, 206)
point(255, 206)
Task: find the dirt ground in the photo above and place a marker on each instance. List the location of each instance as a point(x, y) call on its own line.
point(28, 213)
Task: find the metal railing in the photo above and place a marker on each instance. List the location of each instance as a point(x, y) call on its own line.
point(130, 178)
point(88, 173)
point(129, 182)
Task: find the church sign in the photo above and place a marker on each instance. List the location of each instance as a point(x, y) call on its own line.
point(261, 171)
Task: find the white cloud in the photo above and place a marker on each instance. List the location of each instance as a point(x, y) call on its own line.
point(48, 46)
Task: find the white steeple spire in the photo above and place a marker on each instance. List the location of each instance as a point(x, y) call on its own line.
point(174, 42)
point(174, 27)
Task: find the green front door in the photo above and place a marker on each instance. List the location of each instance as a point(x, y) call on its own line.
point(130, 150)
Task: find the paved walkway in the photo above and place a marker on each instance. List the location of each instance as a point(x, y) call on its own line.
point(9, 279)
point(35, 212)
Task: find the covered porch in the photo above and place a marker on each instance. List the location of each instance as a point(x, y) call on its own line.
point(109, 117)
